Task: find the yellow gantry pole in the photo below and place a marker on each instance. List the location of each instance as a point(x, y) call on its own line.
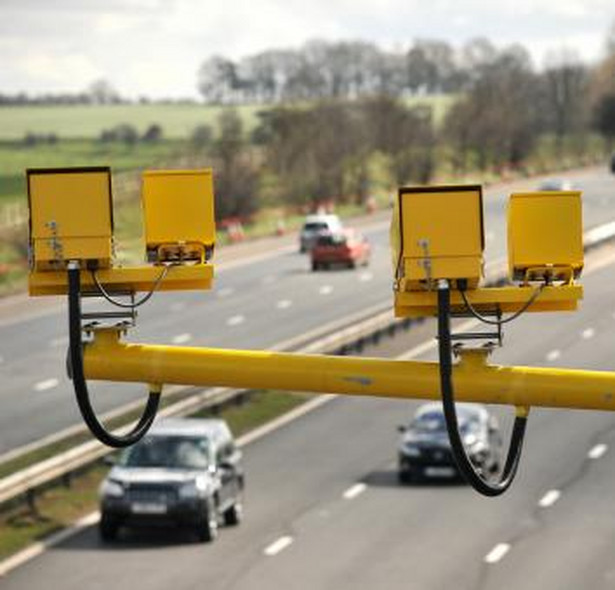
point(108, 358)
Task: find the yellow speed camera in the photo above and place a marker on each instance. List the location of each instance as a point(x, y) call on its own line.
point(71, 217)
point(545, 235)
point(437, 233)
point(178, 211)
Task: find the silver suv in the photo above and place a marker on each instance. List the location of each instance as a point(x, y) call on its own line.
point(184, 472)
point(315, 225)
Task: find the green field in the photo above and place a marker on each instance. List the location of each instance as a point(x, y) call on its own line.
point(15, 158)
point(85, 121)
point(177, 121)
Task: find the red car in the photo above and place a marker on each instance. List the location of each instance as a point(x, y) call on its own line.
point(347, 248)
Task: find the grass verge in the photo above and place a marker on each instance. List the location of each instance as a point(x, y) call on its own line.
point(60, 505)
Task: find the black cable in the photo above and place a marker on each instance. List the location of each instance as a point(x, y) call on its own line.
point(514, 316)
point(79, 382)
point(136, 304)
point(464, 464)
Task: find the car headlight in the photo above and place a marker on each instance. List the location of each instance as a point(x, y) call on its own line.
point(474, 444)
point(470, 440)
point(411, 450)
point(196, 488)
point(111, 488)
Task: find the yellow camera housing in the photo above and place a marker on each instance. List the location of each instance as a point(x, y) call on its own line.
point(71, 217)
point(178, 215)
point(545, 235)
point(437, 233)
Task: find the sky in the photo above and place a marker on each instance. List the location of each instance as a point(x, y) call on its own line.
point(154, 47)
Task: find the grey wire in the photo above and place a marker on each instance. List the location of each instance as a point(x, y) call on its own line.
point(136, 304)
point(514, 316)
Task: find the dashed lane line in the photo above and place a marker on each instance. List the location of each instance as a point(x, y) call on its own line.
point(588, 333)
point(235, 320)
point(597, 451)
point(549, 498)
point(325, 290)
point(553, 355)
point(182, 338)
point(356, 490)
point(497, 553)
point(284, 304)
point(46, 384)
point(278, 546)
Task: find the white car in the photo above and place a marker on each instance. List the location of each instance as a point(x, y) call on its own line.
point(315, 225)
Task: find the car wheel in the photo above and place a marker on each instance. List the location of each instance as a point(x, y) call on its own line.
point(234, 515)
point(107, 529)
point(207, 529)
point(404, 477)
point(315, 266)
point(352, 264)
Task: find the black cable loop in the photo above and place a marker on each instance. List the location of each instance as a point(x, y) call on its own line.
point(464, 464)
point(514, 316)
point(80, 384)
point(136, 304)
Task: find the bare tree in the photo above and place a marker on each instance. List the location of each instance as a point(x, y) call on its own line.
point(565, 82)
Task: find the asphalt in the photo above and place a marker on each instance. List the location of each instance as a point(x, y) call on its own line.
point(324, 508)
point(263, 295)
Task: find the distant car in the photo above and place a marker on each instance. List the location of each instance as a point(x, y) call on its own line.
point(344, 248)
point(424, 449)
point(556, 184)
point(613, 163)
point(185, 472)
point(314, 225)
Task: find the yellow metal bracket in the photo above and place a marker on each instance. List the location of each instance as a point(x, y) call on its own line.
point(413, 304)
point(178, 278)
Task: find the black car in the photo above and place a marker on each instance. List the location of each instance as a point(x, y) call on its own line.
point(613, 163)
point(185, 472)
point(425, 451)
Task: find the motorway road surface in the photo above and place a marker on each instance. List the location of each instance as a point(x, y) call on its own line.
point(324, 509)
point(255, 305)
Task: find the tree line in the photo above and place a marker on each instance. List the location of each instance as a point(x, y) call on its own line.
point(504, 115)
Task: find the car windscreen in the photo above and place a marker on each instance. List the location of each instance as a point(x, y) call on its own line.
point(435, 422)
point(331, 240)
point(315, 226)
point(170, 452)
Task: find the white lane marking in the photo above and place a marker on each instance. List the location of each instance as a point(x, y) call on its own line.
point(178, 306)
point(284, 304)
point(366, 276)
point(354, 491)
point(235, 320)
point(553, 355)
point(587, 333)
point(549, 498)
point(325, 290)
point(182, 338)
point(46, 384)
point(225, 292)
point(597, 451)
point(57, 342)
point(499, 551)
point(277, 546)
